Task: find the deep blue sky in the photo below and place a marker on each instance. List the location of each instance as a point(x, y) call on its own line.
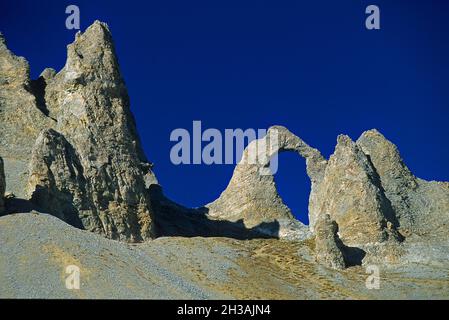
point(311, 66)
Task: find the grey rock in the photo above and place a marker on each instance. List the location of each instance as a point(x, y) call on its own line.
point(89, 101)
point(48, 74)
point(2, 187)
point(87, 105)
point(21, 119)
point(70, 144)
point(57, 185)
point(421, 207)
point(328, 248)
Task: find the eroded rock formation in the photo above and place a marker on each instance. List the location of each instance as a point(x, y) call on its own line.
point(20, 117)
point(2, 186)
point(420, 207)
point(88, 98)
point(328, 246)
point(70, 146)
point(87, 105)
point(57, 183)
point(252, 195)
point(351, 194)
point(364, 188)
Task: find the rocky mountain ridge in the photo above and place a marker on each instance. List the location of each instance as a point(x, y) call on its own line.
point(71, 149)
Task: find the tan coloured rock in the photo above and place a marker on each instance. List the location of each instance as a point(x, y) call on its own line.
point(350, 193)
point(421, 207)
point(251, 194)
point(328, 247)
point(57, 184)
point(89, 101)
point(21, 119)
point(2, 187)
point(75, 132)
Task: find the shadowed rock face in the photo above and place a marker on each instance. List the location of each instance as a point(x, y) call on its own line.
point(57, 184)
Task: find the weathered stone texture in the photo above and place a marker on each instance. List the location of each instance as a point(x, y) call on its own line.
point(350, 193)
point(421, 207)
point(2, 186)
point(21, 120)
point(70, 145)
point(328, 247)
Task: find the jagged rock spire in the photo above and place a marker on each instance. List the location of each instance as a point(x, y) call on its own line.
point(87, 106)
point(89, 101)
point(328, 246)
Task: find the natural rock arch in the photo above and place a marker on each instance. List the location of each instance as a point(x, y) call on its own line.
point(252, 195)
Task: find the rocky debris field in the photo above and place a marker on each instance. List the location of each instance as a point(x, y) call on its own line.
point(37, 248)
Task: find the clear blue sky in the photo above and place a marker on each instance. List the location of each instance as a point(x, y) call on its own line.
point(308, 65)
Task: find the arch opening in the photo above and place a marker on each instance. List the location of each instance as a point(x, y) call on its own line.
point(293, 184)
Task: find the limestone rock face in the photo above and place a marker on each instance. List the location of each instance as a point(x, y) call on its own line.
point(14, 71)
point(251, 194)
point(89, 101)
point(2, 187)
point(421, 207)
point(90, 170)
point(328, 247)
point(351, 194)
